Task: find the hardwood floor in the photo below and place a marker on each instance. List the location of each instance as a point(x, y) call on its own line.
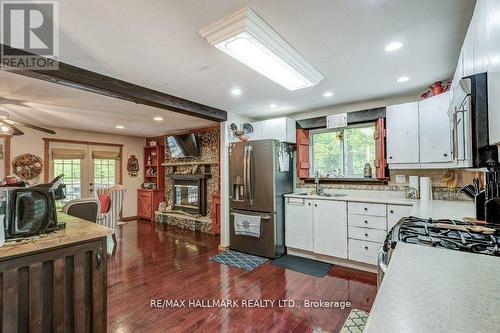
point(170, 263)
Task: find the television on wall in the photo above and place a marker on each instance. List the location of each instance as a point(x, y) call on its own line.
point(182, 146)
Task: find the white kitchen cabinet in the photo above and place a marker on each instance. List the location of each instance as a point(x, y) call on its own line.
point(434, 129)
point(402, 133)
point(299, 224)
point(468, 52)
point(396, 213)
point(330, 228)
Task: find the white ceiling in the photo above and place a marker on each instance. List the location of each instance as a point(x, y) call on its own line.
point(156, 44)
point(43, 103)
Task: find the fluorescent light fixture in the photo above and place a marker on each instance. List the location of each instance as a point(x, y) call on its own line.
point(158, 118)
point(403, 79)
point(328, 94)
point(393, 46)
point(119, 126)
point(249, 39)
point(236, 91)
point(273, 106)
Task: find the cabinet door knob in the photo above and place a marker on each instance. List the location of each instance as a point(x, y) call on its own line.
point(309, 204)
point(445, 155)
point(366, 247)
point(98, 257)
point(391, 211)
point(366, 222)
point(366, 209)
point(366, 235)
point(390, 157)
point(315, 205)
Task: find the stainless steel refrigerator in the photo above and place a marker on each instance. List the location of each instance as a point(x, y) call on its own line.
point(260, 173)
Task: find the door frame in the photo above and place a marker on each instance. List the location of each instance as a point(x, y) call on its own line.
point(46, 157)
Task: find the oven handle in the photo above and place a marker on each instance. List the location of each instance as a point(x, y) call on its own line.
point(245, 175)
point(382, 261)
point(249, 177)
point(263, 217)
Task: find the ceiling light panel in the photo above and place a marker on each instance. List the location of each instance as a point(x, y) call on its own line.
point(250, 40)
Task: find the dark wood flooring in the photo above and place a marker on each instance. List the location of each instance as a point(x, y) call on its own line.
point(169, 263)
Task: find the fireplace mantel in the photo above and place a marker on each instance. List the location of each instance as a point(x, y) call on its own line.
point(189, 176)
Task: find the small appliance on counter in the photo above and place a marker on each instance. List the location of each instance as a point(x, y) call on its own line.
point(29, 210)
point(454, 235)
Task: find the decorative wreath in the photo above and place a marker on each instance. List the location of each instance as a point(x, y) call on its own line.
point(27, 166)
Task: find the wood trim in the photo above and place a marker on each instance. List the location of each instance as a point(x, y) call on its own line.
point(128, 218)
point(83, 142)
point(120, 177)
point(6, 155)
point(76, 77)
point(355, 117)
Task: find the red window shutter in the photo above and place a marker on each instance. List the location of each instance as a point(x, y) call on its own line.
point(303, 153)
point(380, 159)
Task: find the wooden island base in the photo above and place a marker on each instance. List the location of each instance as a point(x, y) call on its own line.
point(56, 282)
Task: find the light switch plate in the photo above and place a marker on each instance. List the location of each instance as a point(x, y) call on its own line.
point(401, 179)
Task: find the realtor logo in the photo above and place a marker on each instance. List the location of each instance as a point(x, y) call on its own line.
point(30, 34)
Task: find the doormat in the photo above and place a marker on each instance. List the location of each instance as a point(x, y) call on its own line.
point(303, 265)
point(356, 322)
point(237, 259)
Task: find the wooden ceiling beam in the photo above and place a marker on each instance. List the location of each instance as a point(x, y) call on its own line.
point(76, 77)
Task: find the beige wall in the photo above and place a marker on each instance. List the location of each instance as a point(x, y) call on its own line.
point(31, 142)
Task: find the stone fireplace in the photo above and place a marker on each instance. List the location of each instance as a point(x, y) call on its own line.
point(189, 193)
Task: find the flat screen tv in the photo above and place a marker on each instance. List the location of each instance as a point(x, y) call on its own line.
point(182, 146)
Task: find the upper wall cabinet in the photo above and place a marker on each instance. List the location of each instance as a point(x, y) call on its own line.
point(419, 134)
point(282, 129)
point(402, 133)
point(434, 129)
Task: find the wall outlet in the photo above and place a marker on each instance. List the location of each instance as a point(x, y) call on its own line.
point(400, 179)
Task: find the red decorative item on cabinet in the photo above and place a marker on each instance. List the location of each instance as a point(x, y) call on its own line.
point(216, 214)
point(437, 88)
point(153, 191)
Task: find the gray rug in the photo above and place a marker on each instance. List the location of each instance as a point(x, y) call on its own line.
point(237, 259)
point(356, 322)
point(303, 265)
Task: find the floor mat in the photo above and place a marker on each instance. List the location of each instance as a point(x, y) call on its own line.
point(303, 265)
point(356, 322)
point(237, 259)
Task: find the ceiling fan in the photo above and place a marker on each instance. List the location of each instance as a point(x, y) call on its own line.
point(7, 126)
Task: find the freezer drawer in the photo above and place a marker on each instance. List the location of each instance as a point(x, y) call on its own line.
point(270, 244)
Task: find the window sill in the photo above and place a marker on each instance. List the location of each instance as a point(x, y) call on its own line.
point(371, 181)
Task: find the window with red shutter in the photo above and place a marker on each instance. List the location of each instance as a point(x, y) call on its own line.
point(303, 153)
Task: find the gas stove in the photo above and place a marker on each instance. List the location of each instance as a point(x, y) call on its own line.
point(450, 234)
point(443, 233)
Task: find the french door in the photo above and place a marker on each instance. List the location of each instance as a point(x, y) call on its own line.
point(85, 167)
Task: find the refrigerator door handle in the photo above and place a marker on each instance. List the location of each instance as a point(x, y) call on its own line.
point(249, 177)
point(245, 174)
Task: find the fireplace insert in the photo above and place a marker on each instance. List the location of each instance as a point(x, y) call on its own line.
point(190, 194)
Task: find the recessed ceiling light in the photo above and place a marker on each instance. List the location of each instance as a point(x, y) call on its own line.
point(272, 105)
point(245, 36)
point(328, 94)
point(236, 91)
point(119, 127)
point(158, 118)
point(393, 46)
point(403, 79)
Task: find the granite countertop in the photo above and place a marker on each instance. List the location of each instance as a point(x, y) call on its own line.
point(430, 290)
point(76, 231)
point(371, 197)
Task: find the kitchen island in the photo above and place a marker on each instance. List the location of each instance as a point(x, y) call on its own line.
point(429, 289)
point(56, 282)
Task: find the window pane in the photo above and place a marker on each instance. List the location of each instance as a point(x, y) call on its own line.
point(327, 153)
point(104, 173)
point(71, 171)
point(359, 148)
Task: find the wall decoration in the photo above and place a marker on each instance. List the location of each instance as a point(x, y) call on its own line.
point(133, 166)
point(437, 88)
point(1, 152)
point(27, 166)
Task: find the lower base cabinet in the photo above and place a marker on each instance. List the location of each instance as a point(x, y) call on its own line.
point(59, 290)
point(147, 203)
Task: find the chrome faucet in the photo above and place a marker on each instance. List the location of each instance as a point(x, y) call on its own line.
point(318, 190)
